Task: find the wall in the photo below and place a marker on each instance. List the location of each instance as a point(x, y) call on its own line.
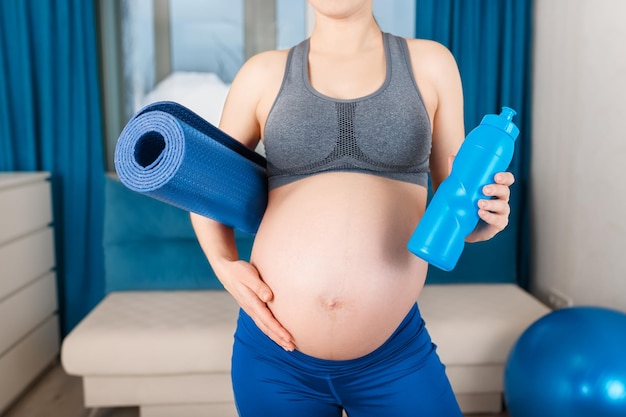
point(579, 150)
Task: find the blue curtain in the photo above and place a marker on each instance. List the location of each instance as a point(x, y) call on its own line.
point(50, 121)
point(491, 41)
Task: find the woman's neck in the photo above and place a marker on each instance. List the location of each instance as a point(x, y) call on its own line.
point(349, 35)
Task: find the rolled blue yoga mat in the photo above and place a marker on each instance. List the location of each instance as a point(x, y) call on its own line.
point(169, 153)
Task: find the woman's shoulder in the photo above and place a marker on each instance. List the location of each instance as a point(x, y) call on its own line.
point(254, 86)
point(264, 66)
point(260, 72)
point(432, 61)
point(430, 52)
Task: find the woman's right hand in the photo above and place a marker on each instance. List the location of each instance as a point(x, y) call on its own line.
point(243, 281)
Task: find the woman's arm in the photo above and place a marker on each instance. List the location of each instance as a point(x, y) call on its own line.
point(240, 278)
point(448, 130)
point(443, 96)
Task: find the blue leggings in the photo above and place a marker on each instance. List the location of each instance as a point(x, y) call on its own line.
point(402, 378)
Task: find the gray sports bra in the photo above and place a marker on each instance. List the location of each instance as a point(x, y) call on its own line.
point(386, 133)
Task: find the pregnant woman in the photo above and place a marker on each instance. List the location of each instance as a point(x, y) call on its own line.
point(353, 121)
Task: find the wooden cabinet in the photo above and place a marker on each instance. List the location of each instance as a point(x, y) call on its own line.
point(29, 324)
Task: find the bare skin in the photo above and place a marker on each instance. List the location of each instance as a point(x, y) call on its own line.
point(330, 274)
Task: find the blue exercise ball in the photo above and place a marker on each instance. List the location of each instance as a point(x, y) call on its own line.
point(569, 363)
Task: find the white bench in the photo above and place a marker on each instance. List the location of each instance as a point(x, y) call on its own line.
point(169, 352)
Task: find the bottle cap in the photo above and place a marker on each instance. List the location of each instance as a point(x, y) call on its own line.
point(503, 121)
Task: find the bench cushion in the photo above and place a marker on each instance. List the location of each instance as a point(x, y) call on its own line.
point(173, 332)
point(477, 323)
point(174, 347)
point(154, 333)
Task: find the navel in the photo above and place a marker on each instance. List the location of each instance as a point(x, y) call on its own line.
point(331, 303)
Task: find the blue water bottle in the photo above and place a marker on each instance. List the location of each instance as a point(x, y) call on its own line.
point(452, 214)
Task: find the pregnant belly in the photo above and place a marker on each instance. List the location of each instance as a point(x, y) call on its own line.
point(337, 261)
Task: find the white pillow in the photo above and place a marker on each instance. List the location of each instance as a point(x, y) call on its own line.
point(203, 93)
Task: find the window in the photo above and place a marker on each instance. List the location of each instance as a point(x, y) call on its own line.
point(144, 42)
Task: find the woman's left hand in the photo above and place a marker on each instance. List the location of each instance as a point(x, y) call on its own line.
point(493, 212)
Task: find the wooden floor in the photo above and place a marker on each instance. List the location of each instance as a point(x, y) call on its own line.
point(56, 394)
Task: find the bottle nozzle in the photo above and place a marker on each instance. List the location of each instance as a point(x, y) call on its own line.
point(503, 121)
point(508, 113)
